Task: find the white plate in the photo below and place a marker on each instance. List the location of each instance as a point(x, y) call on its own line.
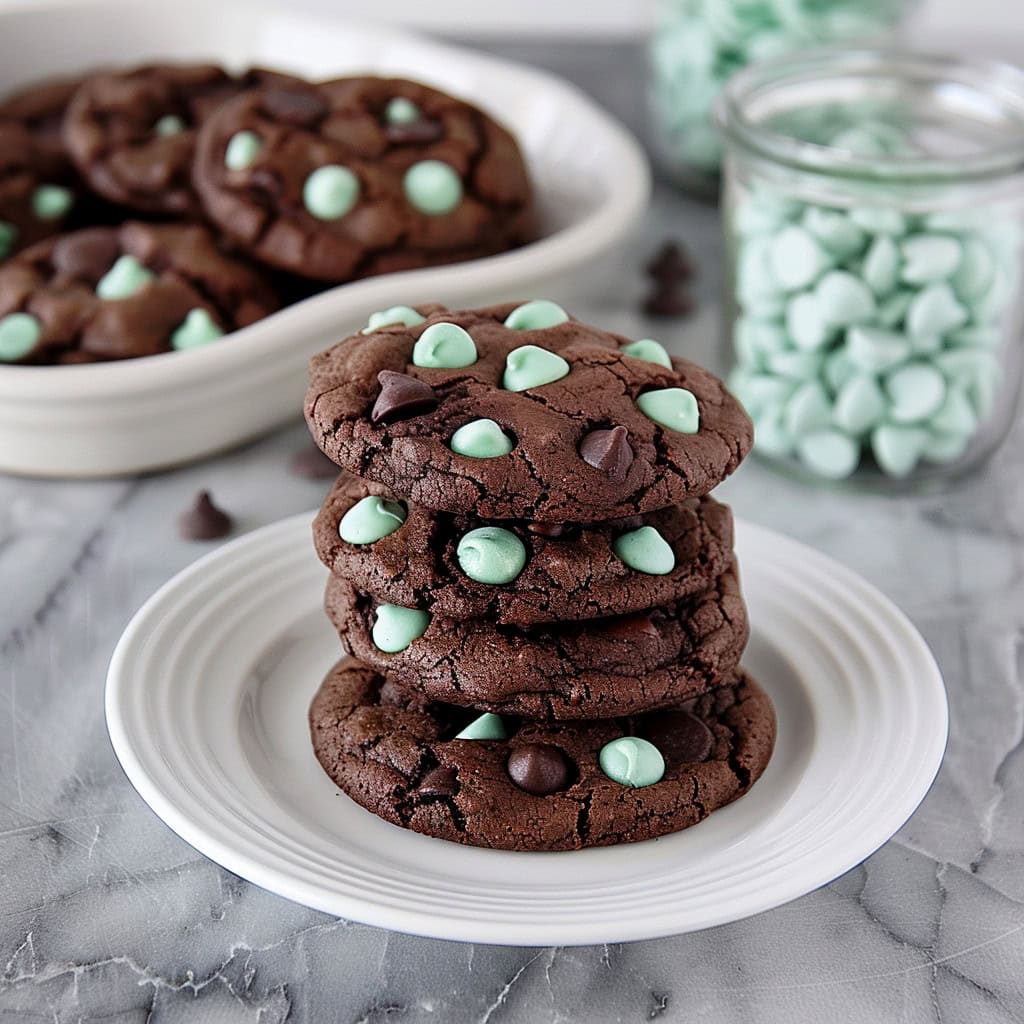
point(591, 177)
point(206, 706)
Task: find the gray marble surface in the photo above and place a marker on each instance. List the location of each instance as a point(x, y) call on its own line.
point(105, 915)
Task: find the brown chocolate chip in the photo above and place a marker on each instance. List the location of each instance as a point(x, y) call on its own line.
point(670, 263)
point(294, 106)
point(539, 768)
point(550, 530)
point(608, 451)
point(203, 520)
point(630, 627)
point(401, 396)
point(440, 782)
point(668, 300)
point(312, 464)
point(681, 737)
point(416, 131)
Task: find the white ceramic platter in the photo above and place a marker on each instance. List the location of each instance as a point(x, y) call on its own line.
point(206, 706)
point(79, 421)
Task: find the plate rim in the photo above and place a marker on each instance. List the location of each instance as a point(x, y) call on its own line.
point(507, 932)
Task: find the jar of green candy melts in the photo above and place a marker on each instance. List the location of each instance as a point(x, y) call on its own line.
point(699, 44)
point(873, 203)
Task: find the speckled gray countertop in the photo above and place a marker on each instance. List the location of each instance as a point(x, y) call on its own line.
point(105, 915)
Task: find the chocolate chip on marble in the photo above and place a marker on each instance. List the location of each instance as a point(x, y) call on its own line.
point(294, 106)
point(681, 736)
point(422, 131)
point(401, 396)
point(668, 300)
point(671, 262)
point(439, 782)
point(203, 520)
point(540, 768)
point(311, 464)
point(608, 451)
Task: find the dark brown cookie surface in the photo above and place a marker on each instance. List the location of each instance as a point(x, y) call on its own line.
point(542, 787)
point(569, 572)
point(362, 412)
point(132, 133)
point(38, 191)
point(592, 669)
point(114, 293)
point(362, 176)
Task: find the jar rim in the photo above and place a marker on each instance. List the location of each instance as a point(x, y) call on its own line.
point(997, 79)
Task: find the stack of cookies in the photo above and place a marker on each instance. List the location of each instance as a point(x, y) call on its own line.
point(539, 598)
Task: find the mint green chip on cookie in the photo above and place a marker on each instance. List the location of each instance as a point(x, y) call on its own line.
point(49, 202)
point(169, 124)
point(433, 187)
point(646, 551)
point(395, 627)
point(400, 110)
point(444, 346)
point(241, 150)
point(530, 366)
point(197, 329)
point(632, 761)
point(19, 334)
point(674, 408)
point(487, 727)
point(404, 315)
point(126, 277)
point(537, 315)
point(650, 351)
point(481, 439)
point(370, 519)
point(330, 192)
point(491, 554)
point(8, 234)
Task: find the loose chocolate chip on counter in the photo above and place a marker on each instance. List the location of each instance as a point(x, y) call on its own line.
point(681, 737)
point(312, 464)
point(401, 396)
point(203, 520)
point(668, 301)
point(539, 768)
point(672, 263)
point(439, 782)
point(608, 451)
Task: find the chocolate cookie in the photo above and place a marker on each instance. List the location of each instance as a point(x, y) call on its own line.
point(538, 786)
point(362, 176)
point(39, 189)
point(132, 133)
point(597, 668)
point(521, 412)
point(516, 573)
point(113, 293)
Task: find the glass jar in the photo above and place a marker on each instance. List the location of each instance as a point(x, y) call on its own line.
point(873, 214)
point(699, 44)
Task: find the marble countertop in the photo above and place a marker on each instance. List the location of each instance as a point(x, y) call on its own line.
point(105, 915)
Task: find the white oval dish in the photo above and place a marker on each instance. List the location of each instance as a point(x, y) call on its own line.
point(206, 704)
point(104, 419)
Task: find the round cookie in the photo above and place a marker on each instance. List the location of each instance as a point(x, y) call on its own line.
point(132, 133)
point(362, 176)
point(114, 293)
point(398, 757)
point(40, 192)
point(570, 572)
point(611, 436)
point(597, 668)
